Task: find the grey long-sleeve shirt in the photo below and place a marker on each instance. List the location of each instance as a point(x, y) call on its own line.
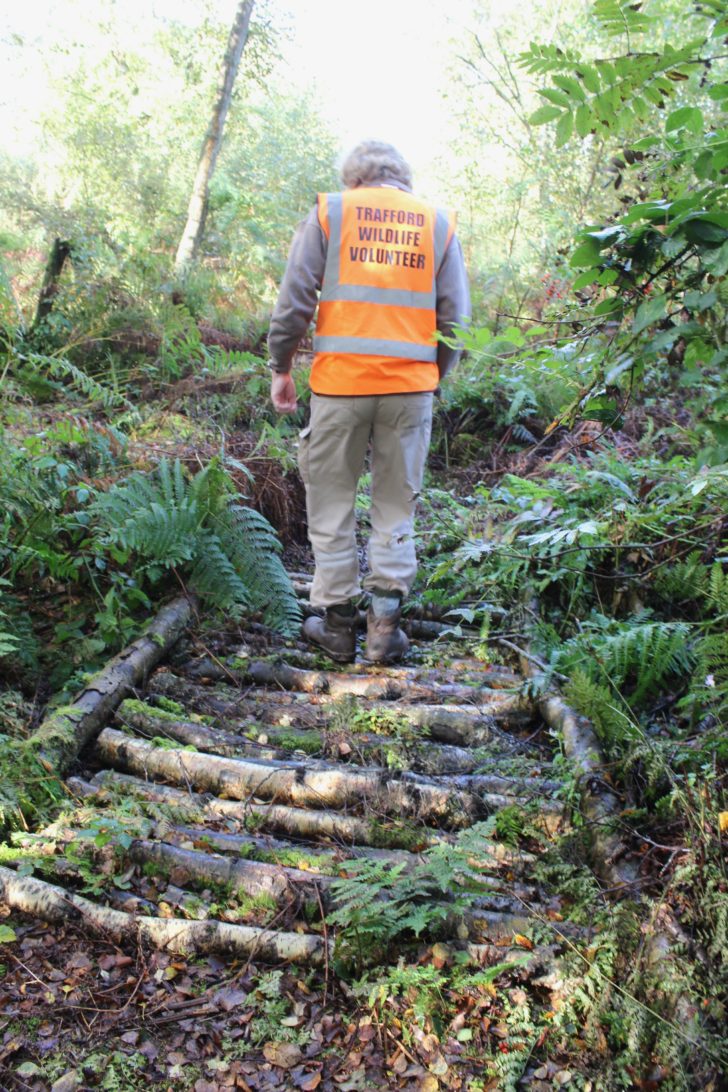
point(302, 281)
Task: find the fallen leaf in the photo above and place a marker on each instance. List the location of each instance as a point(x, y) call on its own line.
point(230, 999)
point(438, 1066)
point(29, 1069)
point(69, 1082)
point(285, 1055)
point(524, 942)
point(429, 1083)
point(399, 1065)
point(309, 1082)
point(723, 821)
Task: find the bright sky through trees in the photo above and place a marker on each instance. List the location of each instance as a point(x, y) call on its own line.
point(379, 67)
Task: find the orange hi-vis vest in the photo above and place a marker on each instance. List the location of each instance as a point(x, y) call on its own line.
point(376, 315)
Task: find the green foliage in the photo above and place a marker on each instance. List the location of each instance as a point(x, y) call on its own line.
point(41, 375)
point(602, 706)
point(635, 657)
point(656, 268)
point(29, 792)
point(709, 690)
point(229, 551)
point(271, 1006)
point(379, 902)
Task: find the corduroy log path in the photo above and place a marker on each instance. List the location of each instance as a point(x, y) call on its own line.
point(260, 772)
point(255, 760)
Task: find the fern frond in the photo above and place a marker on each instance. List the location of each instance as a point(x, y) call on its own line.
point(610, 718)
point(232, 553)
point(215, 577)
point(641, 655)
point(59, 368)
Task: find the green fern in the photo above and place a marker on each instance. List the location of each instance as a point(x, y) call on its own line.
point(638, 656)
point(60, 374)
point(709, 688)
point(8, 640)
point(229, 553)
point(612, 721)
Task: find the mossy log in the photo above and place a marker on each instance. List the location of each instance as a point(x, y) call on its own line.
point(157, 723)
point(53, 904)
point(227, 702)
point(282, 882)
point(292, 783)
point(295, 822)
point(463, 725)
point(313, 825)
point(282, 676)
point(64, 734)
point(296, 855)
point(252, 878)
point(600, 806)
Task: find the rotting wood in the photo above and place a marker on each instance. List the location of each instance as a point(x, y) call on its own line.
point(55, 905)
point(64, 734)
point(150, 723)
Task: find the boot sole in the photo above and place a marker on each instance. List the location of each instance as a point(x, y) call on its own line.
point(340, 659)
point(383, 659)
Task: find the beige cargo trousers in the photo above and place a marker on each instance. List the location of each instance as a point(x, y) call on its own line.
point(332, 455)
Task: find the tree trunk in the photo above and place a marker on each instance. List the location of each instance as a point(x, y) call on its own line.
point(64, 734)
point(60, 251)
point(197, 210)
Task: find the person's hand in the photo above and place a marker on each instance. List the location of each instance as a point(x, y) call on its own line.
point(283, 393)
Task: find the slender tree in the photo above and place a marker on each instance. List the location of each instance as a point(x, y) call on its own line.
point(197, 210)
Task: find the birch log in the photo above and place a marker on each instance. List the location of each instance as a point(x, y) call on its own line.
point(53, 904)
point(64, 734)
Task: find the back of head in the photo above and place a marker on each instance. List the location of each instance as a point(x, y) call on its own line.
point(373, 162)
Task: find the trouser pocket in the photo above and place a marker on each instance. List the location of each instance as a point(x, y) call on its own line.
point(304, 444)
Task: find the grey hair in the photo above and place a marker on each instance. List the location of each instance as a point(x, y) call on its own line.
point(372, 162)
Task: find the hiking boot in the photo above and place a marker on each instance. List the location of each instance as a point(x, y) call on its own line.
point(385, 640)
point(335, 633)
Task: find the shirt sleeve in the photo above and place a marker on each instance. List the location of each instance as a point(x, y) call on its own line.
point(453, 303)
point(298, 293)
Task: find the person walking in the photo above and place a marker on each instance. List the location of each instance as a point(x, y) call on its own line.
point(386, 271)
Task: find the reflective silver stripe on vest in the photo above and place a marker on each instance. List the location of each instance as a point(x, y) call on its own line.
point(372, 346)
point(333, 289)
point(397, 297)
